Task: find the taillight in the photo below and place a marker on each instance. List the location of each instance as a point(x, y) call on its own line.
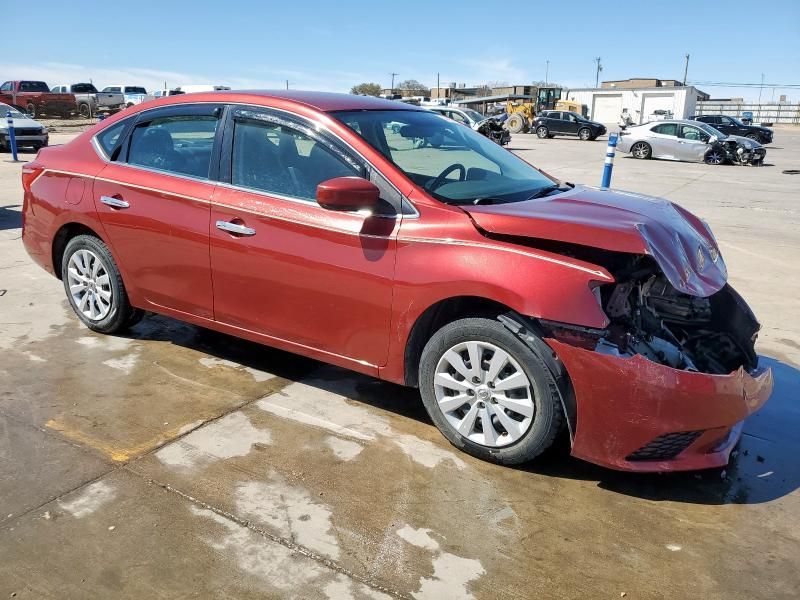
point(31, 172)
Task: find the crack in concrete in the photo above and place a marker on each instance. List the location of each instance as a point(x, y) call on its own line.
point(288, 543)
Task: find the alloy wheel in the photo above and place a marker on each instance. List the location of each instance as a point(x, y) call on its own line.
point(484, 393)
point(714, 157)
point(89, 285)
point(640, 150)
point(584, 134)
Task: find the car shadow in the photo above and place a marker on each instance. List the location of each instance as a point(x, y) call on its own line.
point(10, 218)
point(763, 467)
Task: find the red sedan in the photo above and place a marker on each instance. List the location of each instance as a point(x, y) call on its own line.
point(385, 239)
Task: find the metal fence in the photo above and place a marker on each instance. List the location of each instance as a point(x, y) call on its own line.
point(762, 113)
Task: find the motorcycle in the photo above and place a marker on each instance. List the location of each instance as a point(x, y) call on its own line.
point(735, 150)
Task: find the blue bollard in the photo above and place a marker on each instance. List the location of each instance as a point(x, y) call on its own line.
point(609, 166)
point(12, 138)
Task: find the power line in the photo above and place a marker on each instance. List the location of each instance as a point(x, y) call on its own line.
point(752, 85)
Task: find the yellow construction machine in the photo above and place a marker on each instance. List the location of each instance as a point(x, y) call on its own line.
point(522, 113)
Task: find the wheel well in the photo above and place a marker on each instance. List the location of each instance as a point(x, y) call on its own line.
point(437, 316)
point(62, 238)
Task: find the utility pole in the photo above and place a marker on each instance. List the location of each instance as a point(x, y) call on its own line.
point(546, 71)
point(287, 84)
point(597, 73)
point(438, 87)
point(685, 69)
point(761, 89)
point(393, 76)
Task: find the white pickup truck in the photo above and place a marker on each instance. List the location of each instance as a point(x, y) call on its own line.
point(89, 100)
point(134, 94)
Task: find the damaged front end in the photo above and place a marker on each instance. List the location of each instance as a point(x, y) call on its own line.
point(666, 385)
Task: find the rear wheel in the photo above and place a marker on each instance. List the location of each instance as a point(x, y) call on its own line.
point(543, 132)
point(94, 286)
point(641, 150)
point(488, 393)
point(585, 134)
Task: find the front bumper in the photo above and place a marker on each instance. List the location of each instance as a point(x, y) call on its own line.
point(637, 415)
point(25, 140)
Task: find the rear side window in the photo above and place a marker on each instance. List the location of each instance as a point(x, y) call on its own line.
point(83, 88)
point(135, 90)
point(33, 86)
point(109, 138)
point(666, 129)
point(272, 157)
point(179, 144)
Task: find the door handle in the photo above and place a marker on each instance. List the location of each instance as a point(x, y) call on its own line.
point(235, 228)
point(114, 202)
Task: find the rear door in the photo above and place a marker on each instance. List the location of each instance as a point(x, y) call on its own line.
point(664, 140)
point(153, 199)
point(313, 280)
point(553, 121)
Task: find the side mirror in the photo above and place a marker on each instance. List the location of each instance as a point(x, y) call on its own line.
point(347, 193)
point(713, 139)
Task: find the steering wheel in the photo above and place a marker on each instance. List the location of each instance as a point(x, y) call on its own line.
point(441, 179)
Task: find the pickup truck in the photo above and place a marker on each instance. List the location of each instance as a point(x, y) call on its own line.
point(134, 94)
point(89, 100)
point(35, 98)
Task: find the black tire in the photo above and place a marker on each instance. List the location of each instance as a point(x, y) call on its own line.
point(121, 314)
point(516, 123)
point(550, 136)
point(754, 136)
point(644, 150)
point(585, 134)
point(543, 132)
point(84, 110)
point(30, 109)
point(548, 416)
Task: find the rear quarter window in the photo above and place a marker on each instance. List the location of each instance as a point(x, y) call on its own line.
point(109, 138)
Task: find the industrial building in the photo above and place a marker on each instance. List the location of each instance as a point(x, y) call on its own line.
point(647, 103)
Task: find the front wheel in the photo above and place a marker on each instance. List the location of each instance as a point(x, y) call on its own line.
point(94, 286)
point(715, 156)
point(30, 108)
point(755, 137)
point(542, 132)
point(488, 392)
point(585, 134)
point(84, 110)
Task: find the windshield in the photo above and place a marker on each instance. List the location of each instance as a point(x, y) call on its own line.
point(711, 131)
point(737, 121)
point(473, 114)
point(135, 90)
point(5, 109)
point(453, 163)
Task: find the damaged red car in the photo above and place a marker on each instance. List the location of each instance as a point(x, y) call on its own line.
point(379, 237)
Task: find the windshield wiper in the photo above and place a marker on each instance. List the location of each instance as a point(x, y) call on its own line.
point(547, 190)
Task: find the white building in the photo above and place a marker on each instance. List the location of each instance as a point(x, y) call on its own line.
point(644, 104)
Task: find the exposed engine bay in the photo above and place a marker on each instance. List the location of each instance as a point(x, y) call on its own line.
point(650, 317)
point(736, 151)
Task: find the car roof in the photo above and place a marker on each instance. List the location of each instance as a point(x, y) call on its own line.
point(322, 101)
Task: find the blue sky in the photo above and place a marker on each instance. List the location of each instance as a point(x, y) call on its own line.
point(330, 45)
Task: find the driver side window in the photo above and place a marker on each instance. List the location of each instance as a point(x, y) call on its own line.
point(692, 133)
point(270, 157)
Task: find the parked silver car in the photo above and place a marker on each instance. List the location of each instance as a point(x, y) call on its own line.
point(688, 141)
point(26, 131)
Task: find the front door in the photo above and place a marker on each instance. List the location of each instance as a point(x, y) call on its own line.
point(313, 280)
point(153, 201)
point(692, 143)
point(571, 123)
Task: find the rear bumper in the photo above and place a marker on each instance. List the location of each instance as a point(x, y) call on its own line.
point(636, 415)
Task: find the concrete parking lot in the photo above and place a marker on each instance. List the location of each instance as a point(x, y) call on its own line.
point(174, 462)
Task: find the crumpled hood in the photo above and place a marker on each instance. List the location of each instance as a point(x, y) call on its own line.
point(681, 244)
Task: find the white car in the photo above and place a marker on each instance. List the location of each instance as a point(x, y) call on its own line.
point(26, 131)
point(134, 94)
point(465, 116)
